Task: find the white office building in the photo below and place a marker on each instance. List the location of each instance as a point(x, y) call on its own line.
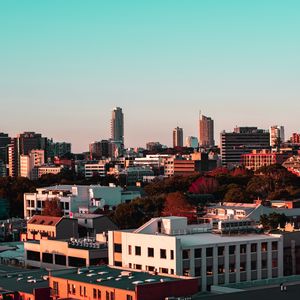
point(168, 245)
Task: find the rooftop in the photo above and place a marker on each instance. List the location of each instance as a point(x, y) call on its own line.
point(44, 220)
point(111, 277)
point(24, 280)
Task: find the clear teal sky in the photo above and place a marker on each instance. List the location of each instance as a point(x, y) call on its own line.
point(64, 64)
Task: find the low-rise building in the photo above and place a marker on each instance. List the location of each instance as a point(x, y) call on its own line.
point(24, 284)
point(261, 158)
point(58, 254)
point(168, 245)
point(117, 284)
point(95, 169)
point(48, 227)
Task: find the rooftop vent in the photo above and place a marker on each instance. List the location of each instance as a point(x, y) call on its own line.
point(126, 273)
point(137, 282)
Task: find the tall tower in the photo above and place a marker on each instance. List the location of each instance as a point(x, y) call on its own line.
point(206, 131)
point(177, 137)
point(117, 125)
point(276, 135)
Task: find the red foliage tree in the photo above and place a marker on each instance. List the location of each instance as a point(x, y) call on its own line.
point(219, 171)
point(204, 185)
point(176, 204)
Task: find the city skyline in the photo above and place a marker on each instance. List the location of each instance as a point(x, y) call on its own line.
point(64, 67)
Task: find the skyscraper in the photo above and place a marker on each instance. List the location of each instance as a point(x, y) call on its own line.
point(276, 134)
point(177, 137)
point(191, 142)
point(117, 125)
point(4, 142)
point(206, 132)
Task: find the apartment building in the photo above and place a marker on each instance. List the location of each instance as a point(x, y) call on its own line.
point(72, 197)
point(114, 284)
point(257, 159)
point(168, 245)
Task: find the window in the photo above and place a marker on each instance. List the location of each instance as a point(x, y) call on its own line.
point(137, 250)
point(150, 252)
point(118, 248)
point(163, 253)
point(55, 287)
point(99, 294)
point(232, 268)
point(186, 254)
point(150, 268)
point(138, 267)
point(253, 265)
point(209, 270)
point(94, 293)
point(67, 206)
point(47, 258)
point(221, 269)
point(164, 270)
point(129, 297)
point(80, 290)
point(197, 271)
point(186, 272)
point(264, 264)
point(274, 246)
point(172, 254)
point(243, 249)
point(209, 252)
point(197, 253)
point(243, 267)
point(253, 248)
point(231, 250)
point(129, 249)
point(221, 251)
point(274, 263)
point(264, 247)
point(118, 263)
point(172, 271)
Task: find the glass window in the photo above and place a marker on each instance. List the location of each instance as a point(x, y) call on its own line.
point(138, 250)
point(274, 246)
point(231, 250)
point(209, 252)
point(172, 254)
point(197, 253)
point(150, 252)
point(163, 253)
point(243, 249)
point(118, 248)
point(253, 248)
point(186, 254)
point(221, 251)
point(264, 247)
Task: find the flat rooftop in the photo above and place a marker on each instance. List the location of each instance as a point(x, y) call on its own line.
point(23, 280)
point(111, 277)
point(212, 239)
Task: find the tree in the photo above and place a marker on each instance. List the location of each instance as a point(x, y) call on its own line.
point(204, 185)
point(176, 204)
point(273, 220)
point(52, 208)
point(235, 194)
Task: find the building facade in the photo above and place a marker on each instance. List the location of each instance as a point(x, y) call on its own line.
point(242, 141)
point(177, 137)
point(206, 132)
point(276, 135)
point(117, 125)
point(170, 246)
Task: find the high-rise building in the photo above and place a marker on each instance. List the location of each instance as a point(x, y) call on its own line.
point(99, 150)
point(191, 142)
point(276, 134)
point(58, 149)
point(30, 162)
point(295, 139)
point(22, 145)
point(177, 137)
point(4, 142)
point(153, 146)
point(117, 125)
point(206, 132)
point(242, 141)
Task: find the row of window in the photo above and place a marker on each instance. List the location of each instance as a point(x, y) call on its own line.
point(151, 268)
point(150, 251)
point(232, 250)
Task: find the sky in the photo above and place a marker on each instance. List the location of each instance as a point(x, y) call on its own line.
point(64, 65)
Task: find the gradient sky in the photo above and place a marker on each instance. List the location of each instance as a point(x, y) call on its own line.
point(65, 64)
